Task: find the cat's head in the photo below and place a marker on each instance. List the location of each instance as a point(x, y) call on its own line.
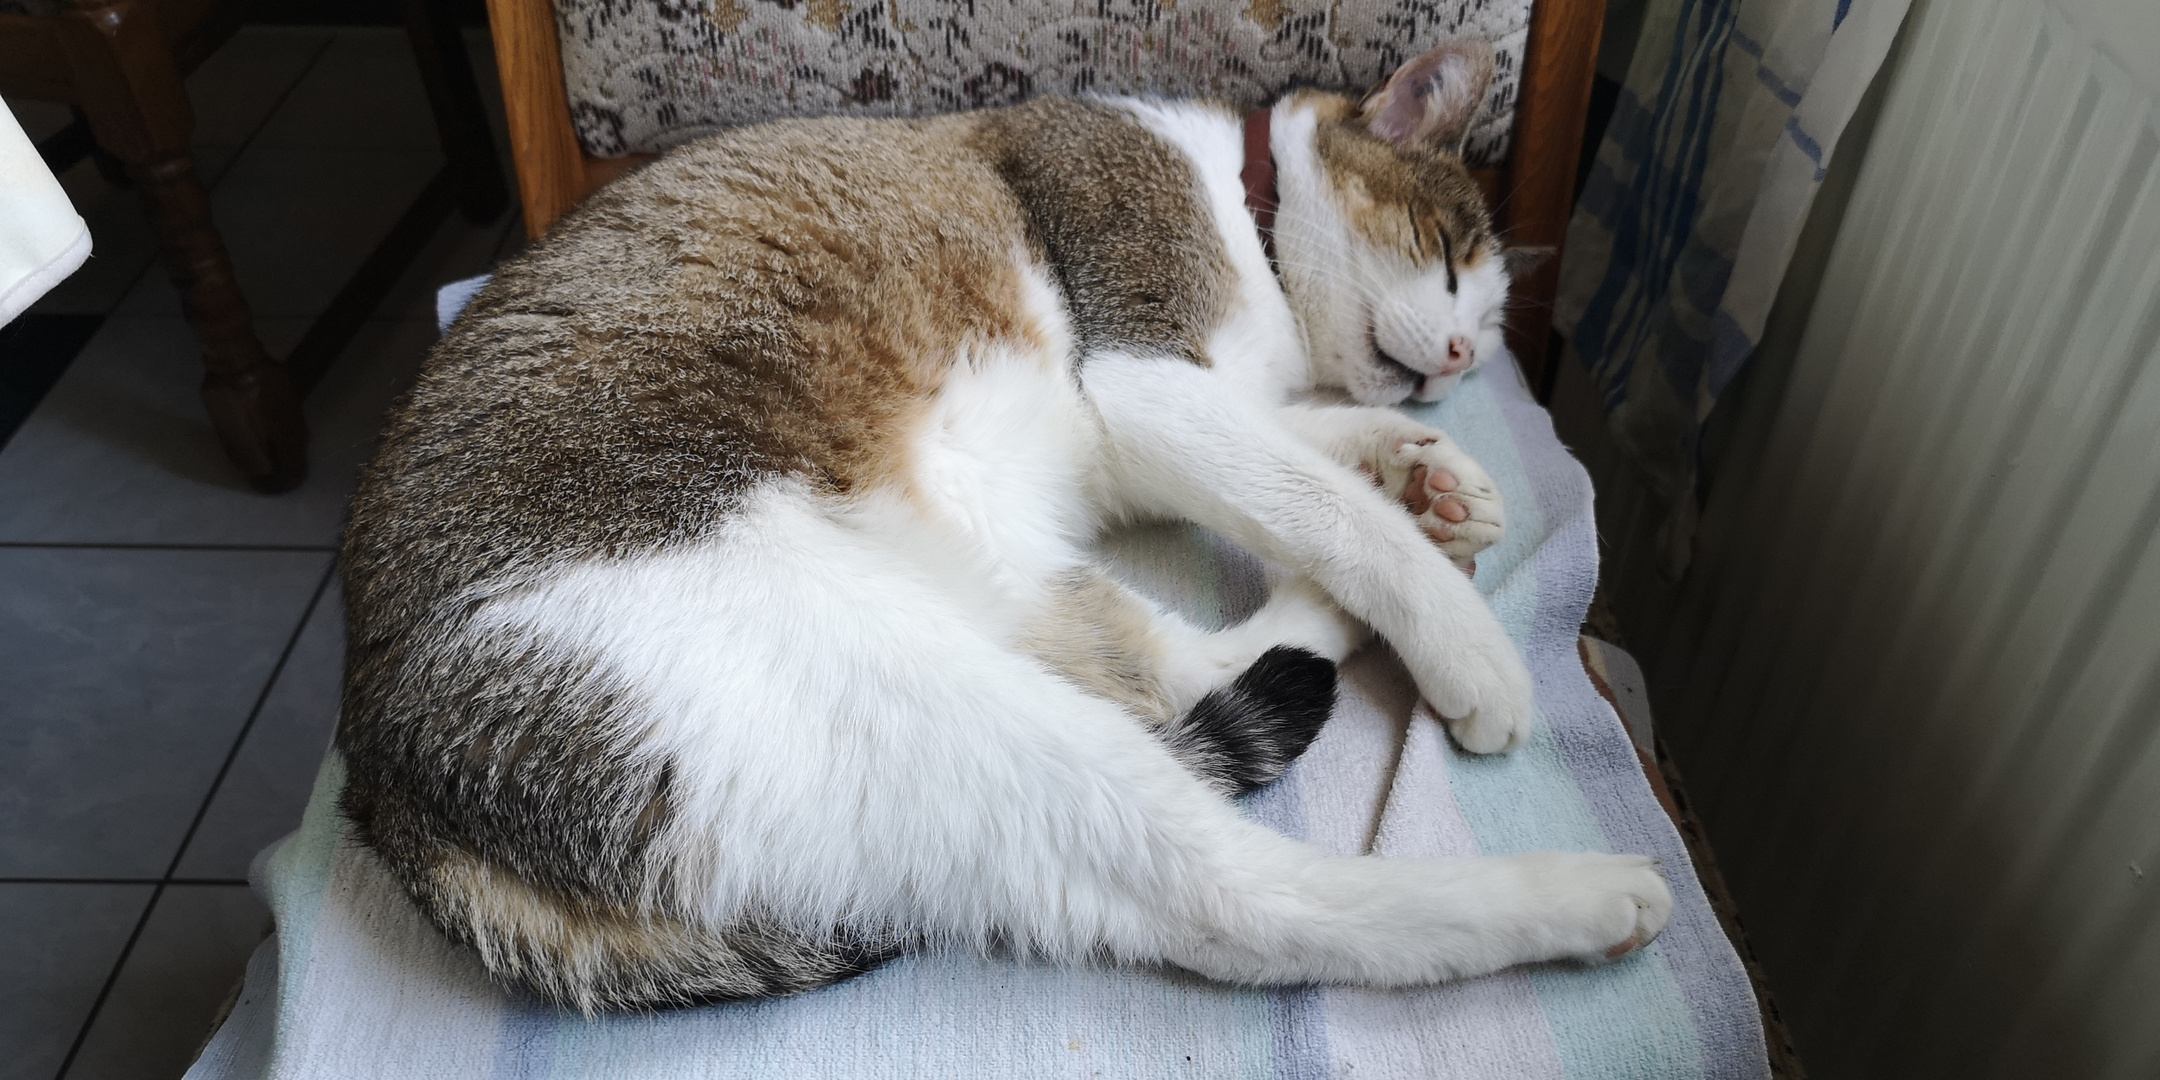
point(1386, 245)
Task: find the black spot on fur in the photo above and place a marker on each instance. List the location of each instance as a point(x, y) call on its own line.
point(1244, 735)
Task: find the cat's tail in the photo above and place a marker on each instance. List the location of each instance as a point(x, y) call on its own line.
point(1242, 736)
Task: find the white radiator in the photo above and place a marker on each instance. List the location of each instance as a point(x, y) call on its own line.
point(1913, 678)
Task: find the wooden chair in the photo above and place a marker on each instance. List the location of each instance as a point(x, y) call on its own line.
point(1534, 189)
point(120, 63)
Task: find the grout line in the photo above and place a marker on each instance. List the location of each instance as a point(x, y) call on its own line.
point(157, 892)
point(322, 587)
point(88, 545)
point(111, 977)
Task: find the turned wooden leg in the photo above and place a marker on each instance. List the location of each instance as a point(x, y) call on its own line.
point(138, 109)
point(252, 402)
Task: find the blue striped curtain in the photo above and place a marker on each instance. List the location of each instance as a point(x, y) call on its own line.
point(1717, 144)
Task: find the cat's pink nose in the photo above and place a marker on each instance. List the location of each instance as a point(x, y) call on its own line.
point(1460, 352)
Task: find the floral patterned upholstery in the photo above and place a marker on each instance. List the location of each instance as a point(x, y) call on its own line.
point(645, 75)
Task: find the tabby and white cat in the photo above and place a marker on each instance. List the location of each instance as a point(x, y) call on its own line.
point(722, 619)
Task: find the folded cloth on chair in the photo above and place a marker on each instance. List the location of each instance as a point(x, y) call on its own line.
point(42, 239)
point(354, 980)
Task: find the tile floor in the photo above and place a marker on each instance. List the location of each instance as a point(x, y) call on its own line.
point(172, 640)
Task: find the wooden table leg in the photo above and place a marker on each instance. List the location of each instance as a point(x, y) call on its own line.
point(139, 111)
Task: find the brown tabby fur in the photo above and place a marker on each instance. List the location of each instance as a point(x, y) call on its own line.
point(1401, 198)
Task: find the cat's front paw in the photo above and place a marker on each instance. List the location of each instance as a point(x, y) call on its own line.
point(1599, 908)
point(1454, 500)
point(1500, 720)
point(1483, 693)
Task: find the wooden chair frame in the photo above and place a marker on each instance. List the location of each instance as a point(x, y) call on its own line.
point(121, 64)
point(1535, 190)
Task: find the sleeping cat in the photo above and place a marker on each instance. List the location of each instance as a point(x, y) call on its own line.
point(722, 613)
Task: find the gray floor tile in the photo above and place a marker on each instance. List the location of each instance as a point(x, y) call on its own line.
point(57, 945)
point(122, 246)
point(350, 405)
point(263, 794)
point(298, 222)
point(183, 968)
point(129, 676)
point(130, 672)
point(121, 452)
point(237, 89)
point(363, 94)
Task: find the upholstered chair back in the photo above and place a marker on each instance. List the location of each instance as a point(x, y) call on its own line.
point(645, 75)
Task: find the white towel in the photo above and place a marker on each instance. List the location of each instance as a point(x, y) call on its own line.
point(42, 238)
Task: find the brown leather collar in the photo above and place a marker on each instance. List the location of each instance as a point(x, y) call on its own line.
point(1259, 176)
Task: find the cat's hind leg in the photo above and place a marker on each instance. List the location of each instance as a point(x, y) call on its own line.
point(1068, 829)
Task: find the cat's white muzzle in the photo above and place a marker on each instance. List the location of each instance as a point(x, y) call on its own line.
point(1426, 358)
point(1424, 336)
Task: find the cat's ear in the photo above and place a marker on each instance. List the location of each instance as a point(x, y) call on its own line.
point(1519, 261)
point(1433, 98)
